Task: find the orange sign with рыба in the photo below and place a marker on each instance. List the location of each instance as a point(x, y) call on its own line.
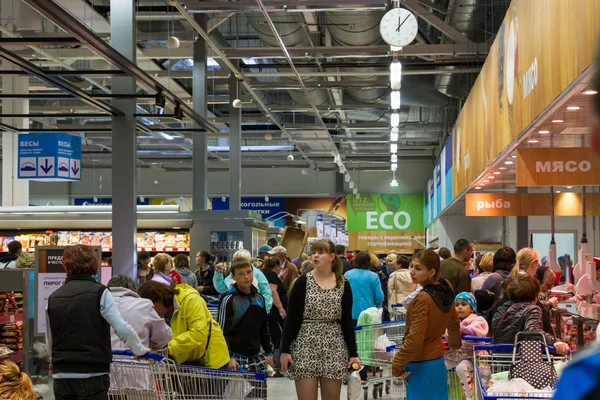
point(529, 204)
point(572, 166)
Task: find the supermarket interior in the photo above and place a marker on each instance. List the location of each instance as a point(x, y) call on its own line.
point(384, 126)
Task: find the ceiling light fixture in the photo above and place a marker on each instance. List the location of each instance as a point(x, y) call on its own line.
point(394, 182)
point(477, 187)
point(544, 132)
point(395, 120)
point(159, 100)
point(573, 108)
point(393, 148)
point(351, 184)
point(533, 141)
point(558, 191)
point(486, 181)
point(569, 187)
point(395, 74)
point(590, 92)
point(394, 167)
point(558, 121)
point(502, 168)
point(482, 184)
point(394, 158)
point(395, 99)
point(508, 162)
point(347, 178)
point(394, 134)
point(497, 173)
point(491, 177)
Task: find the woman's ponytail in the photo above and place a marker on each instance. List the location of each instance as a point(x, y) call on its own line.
point(338, 269)
point(15, 385)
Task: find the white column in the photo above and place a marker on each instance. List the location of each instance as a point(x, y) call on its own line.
point(15, 192)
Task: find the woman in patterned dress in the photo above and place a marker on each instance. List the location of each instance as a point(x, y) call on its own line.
point(318, 344)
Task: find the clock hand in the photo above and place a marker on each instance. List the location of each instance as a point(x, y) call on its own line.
point(399, 26)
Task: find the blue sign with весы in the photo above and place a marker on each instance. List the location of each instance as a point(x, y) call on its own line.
point(49, 156)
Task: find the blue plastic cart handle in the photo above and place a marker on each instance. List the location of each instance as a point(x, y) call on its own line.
point(129, 353)
point(507, 348)
point(359, 327)
point(478, 339)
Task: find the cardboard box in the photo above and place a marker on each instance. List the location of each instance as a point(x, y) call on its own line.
point(294, 240)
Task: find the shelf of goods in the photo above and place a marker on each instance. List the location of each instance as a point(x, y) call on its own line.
point(174, 241)
point(11, 326)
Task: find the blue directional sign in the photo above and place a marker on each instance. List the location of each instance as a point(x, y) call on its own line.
point(49, 156)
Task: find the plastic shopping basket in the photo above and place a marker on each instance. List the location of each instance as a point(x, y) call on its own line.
point(492, 359)
point(160, 378)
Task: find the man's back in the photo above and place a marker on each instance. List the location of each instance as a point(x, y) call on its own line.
point(455, 272)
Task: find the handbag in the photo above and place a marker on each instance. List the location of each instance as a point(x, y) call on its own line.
point(536, 371)
point(200, 362)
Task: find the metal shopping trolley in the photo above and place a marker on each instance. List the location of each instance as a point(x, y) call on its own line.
point(376, 348)
point(158, 378)
point(492, 359)
point(453, 357)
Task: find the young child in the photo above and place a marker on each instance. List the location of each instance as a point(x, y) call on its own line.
point(243, 318)
point(471, 324)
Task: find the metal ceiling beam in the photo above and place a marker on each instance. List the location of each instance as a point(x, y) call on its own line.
point(381, 83)
point(80, 72)
point(405, 72)
point(65, 20)
point(303, 53)
point(57, 82)
point(40, 41)
point(416, 50)
point(278, 5)
point(440, 24)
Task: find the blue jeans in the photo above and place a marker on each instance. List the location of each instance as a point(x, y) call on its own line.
point(95, 388)
point(428, 380)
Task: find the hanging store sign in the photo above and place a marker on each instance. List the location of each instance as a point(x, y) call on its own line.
point(49, 156)
point(521, 77)
point(529, 204)
point(381, 223)
point(574, 166)
point(438, 194)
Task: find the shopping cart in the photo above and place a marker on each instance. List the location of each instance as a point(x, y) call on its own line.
point(498, 358)
point(397, 387)
point(376, 348)
point(454, 357)
point(398, 312)
point(158, 378)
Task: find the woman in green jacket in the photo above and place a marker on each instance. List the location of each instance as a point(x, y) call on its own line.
point(197, 337)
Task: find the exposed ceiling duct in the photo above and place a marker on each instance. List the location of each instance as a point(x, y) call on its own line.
point(475, 19)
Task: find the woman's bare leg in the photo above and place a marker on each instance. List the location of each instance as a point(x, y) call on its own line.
point(330, 389)
point(308, 389)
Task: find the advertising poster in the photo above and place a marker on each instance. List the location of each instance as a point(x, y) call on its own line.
point(381, 223)
point(47, 284)
point(522, 75)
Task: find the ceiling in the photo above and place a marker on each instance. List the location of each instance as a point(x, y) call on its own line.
point(337, 102)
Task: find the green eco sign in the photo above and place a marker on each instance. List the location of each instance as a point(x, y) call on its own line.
point(386, 212)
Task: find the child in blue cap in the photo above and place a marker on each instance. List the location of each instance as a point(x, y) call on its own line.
point(471, 324)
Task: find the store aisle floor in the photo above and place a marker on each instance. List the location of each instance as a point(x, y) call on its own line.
point(284, 389)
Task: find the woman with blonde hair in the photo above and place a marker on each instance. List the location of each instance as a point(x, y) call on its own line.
point(528, 261)
point(14, 384)
point(162, 269)
point(486, 265)
point(318, 337)
point(400, 284)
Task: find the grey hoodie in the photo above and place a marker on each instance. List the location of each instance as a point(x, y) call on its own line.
point(187, 276)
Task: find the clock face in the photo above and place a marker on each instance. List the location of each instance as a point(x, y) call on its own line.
point(399, 27)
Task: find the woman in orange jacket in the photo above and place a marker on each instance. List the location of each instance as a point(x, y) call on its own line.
point(420, 360)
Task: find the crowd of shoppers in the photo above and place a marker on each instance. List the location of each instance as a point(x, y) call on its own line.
point(299, 320)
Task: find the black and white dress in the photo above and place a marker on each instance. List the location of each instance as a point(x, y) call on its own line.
point(325, 337)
